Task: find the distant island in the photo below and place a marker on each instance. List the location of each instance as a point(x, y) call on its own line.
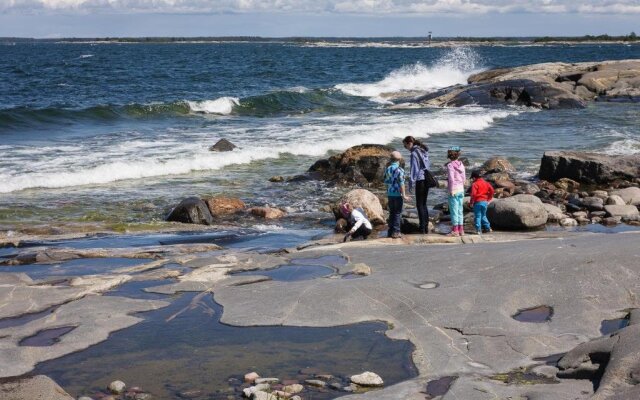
point(630, 38)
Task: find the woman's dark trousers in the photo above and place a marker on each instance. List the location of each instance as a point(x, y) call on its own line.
point(422, 191)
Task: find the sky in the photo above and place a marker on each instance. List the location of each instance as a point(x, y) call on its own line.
point(337, 18)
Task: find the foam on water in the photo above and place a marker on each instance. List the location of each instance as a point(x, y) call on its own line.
point(221, 106)
point(452, 69)
point(623, 147)
point(107, 159)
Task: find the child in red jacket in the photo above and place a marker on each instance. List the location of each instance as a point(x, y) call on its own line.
point(481, 195)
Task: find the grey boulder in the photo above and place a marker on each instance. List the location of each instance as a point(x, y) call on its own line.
point(192, 210)
point(591, 168)
point(522, 211)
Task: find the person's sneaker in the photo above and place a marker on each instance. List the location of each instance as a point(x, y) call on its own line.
point(396, 235)
point(487, 230)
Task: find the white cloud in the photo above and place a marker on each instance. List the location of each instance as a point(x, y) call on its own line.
point(423, 7)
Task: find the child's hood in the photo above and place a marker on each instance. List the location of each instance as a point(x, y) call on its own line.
point(457, 166)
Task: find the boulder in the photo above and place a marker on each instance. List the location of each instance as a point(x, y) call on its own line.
point(497, 164)
point(630, 195)
point(412, 225)
point(363, 165)
point(625, 211)
point(522, 211)
point(223, 145)
point(191, 210)
point(367, 379)
point(615, 200)
point(364, 199)
point(220, 206)
point(566, 222)
point(267, 212)
point(526, 188)
point(591, 168)
point(568, 185)
point(593, 203)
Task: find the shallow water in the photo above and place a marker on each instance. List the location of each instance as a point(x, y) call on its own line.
point(78, 267)
point(194, 351)
point(292, 273)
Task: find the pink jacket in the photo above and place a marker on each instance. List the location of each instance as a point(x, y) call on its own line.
point(455, 176)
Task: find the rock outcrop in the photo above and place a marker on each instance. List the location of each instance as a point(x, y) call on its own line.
point(362, 165)
point(522, 211)
point(32, 388)
point(588, 168)
point(547, 85)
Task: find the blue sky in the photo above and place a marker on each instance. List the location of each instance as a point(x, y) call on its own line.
point(278, 18)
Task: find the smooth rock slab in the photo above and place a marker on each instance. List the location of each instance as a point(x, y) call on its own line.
point(367, 379)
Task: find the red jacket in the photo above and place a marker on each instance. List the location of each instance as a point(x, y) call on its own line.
point(481, 190)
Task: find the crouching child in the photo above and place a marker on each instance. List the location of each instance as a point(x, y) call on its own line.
point(360, 225)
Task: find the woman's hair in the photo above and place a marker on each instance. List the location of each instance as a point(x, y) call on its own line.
point(416, 142)
point(453, 154)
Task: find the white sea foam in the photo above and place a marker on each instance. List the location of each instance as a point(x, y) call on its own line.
point(623, 147)
point(86, 56)
point(221, 106)
point(102, 161)
point(452, 69)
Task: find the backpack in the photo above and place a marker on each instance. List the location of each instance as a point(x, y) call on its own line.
point(429, 179)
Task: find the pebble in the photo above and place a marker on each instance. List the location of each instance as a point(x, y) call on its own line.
point(116, 387)
point(190, 394)
point(267, 380)
point(251, 377)
point(282, 395)
point(294, 388)
point(259, 395)
point(85, 398)
point(367, 379)
point(568, 222)
point(316, 382)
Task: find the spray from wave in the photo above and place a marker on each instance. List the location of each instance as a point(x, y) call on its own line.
point(221, 106)
point(451, 69)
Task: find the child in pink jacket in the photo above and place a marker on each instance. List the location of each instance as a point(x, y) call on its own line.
point(455, 186)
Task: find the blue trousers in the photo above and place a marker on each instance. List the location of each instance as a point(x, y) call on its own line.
point(455, 209)
point(395, 214)
point(480, 215)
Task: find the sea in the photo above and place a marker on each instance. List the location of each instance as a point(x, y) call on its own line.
point(118, 133)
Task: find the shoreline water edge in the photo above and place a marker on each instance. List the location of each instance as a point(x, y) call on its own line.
point(234, 284)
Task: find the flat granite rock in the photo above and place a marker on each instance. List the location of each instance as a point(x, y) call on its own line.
point(464, 327)
point(38, 387)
